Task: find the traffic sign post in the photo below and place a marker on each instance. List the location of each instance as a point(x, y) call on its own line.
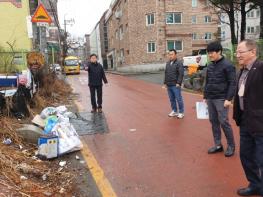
point(42, 24)
point(42, 19)
point(41, 15)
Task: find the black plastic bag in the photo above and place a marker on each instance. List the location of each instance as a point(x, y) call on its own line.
point(20, 100)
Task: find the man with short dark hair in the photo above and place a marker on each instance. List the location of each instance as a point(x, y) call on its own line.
point(174, 73)
point(218, 92)
point(248, 114)
point(96, 76)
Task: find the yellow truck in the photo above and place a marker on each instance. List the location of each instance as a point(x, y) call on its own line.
point(71, 65)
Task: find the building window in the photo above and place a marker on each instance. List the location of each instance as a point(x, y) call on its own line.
point(250, 14)
point(207, 3)
point(223, 19)
point(127, 27)
point(122, 56)
point(151, 47)
point(208, 36)
point(149, 19)
point(250, 30)
point(117, 34)
point(258, 13)
point(194, 19)
point(194, 36)
point(194, 3)
point(175, 44)
point(257, 29)
point(121, 32)
point(208, 19)
point(223, 35)
point(174, 18)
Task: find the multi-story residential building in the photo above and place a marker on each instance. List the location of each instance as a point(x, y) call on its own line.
point(252, 26)
point(141, 32)
point(104, 40)
point(95, 42)
point(99, 41)
point(87, 46)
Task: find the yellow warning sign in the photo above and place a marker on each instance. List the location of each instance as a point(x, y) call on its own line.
point(41, 15)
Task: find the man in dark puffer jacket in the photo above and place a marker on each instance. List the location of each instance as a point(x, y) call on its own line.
point(173, 78)
point(219, 91)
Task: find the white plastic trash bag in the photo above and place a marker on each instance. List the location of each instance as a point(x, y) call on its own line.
point(70, 115)
point(68, 138)
point(202, 110)
point(63, 118)
point(61, 109)
point(49, 111)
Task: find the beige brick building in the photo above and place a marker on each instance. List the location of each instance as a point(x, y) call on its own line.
point(141, 31)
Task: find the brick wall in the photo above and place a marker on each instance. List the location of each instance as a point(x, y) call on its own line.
point(138, 34)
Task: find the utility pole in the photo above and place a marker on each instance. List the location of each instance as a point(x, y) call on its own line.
point(43, 41)
point(65, 43)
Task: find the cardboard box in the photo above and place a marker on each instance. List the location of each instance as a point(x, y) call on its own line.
point(48, 146)
point(39, 121)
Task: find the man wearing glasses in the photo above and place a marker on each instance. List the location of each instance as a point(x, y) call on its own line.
point(248, 114)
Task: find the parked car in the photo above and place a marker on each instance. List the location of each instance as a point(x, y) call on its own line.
point(82, 66)
point(55, 67)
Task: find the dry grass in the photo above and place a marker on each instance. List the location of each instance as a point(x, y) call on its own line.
point(54, 89)
point(16, 162)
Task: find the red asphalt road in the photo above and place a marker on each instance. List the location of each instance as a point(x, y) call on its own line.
point(164, 157)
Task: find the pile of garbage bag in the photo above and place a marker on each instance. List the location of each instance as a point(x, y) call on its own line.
point(59, 135)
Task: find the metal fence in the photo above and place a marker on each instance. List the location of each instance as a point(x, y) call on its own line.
point(11, 62)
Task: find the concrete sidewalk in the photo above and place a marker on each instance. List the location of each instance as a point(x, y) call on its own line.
point(147, 154)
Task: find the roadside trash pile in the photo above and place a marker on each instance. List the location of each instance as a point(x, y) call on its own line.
point(59, 136)
point(24, 174)
point(25, 148)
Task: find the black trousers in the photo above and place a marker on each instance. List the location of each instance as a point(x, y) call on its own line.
point(96, 90)
point(251, 155)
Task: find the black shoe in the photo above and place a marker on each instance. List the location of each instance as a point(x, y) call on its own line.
point(93, 110)
point(215, 149)
point(100, 110)
point(248, 191)
point(230, 151)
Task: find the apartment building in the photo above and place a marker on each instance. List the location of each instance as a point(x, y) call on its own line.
point(95, 42)
point(98, 41)
point(141, 32)
point(104, 40)
point(252, 27)
point(87, 46)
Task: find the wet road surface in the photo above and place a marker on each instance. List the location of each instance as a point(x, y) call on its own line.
point(147, 154)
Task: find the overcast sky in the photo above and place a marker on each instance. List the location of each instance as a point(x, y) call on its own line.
point(86, 14)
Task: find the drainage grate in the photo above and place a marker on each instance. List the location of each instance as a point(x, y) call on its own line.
point(88, 123)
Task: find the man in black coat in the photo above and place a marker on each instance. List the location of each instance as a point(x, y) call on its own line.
point(248, 114)
point(218, 92)
point(96, 76)
point(174, 73)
